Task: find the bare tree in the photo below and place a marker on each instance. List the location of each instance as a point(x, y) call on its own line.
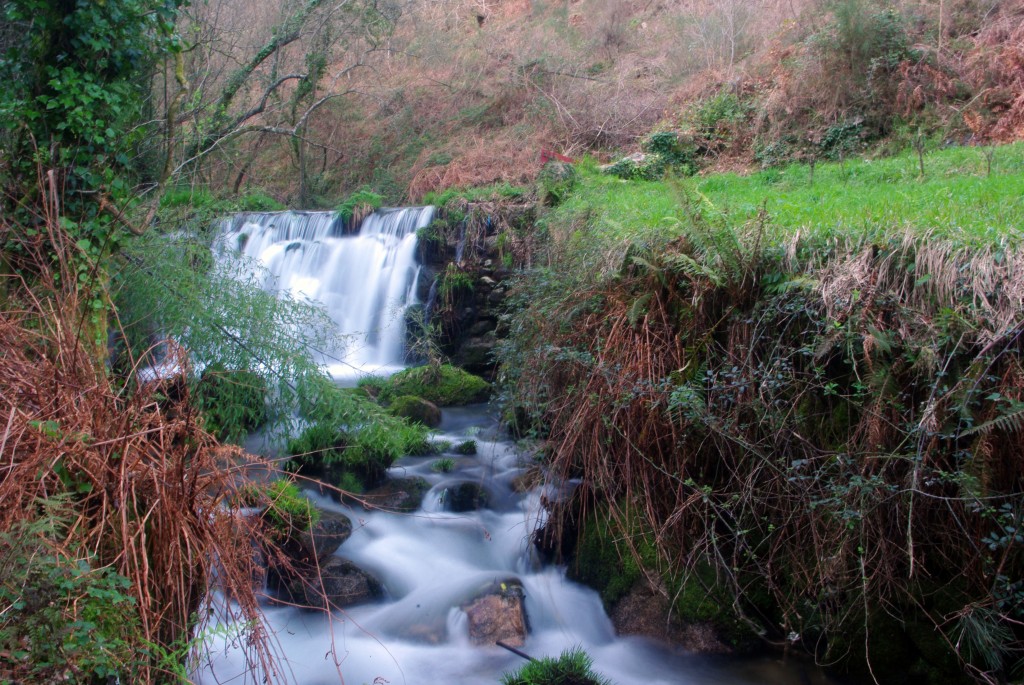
point(252, 71)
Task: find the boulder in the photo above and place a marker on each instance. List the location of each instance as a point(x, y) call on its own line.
point(498, 613)
point(398, 494)
point(416, 409)
point(343, 585)
point(326, 536)
point(645, 610)
point(465, 497)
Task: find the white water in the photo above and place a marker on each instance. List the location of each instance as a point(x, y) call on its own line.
point(432, 561)
point(366, 282)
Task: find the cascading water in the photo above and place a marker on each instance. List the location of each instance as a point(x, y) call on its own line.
point(366, 281)
point(431, 562)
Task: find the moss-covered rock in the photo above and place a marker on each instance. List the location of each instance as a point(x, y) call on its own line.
point(399, 494)
point(701, 608)
point(416, 409)
point(443, 384)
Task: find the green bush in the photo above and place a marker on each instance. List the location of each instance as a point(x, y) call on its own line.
point(443, 384)
point(61, 618)
point(573, 667)
point(555, 181)
point(232, 402)
point(350, 434)
point(359, 203)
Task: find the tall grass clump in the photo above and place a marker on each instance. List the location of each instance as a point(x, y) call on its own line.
point(118, 519)
point(821, 426)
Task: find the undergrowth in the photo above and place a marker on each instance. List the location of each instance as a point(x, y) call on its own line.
point(826, 419)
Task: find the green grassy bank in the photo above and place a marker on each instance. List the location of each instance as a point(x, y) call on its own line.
point(803, 396)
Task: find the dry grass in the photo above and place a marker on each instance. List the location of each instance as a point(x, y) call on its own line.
point(812, 445)
point(149, 493)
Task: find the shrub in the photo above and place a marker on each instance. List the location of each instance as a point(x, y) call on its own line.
point(573, 667)
point(455, 284)
point(350, 434)
point(555, 181)
point(232, 402)
point(61, 619)
point(359, 204)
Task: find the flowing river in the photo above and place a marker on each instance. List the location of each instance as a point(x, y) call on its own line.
point(432, 561)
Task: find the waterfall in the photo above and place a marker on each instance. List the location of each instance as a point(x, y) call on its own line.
point(365, 280)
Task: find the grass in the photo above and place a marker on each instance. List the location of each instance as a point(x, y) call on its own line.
point(957, 199)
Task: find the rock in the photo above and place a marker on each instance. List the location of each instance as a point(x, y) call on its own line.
point(443, 384)
point(645, 611)
point(416, 409)
point(498, 614)
point(344, 585)
point(466, 497)
point(482, 327)
point(399, 494)
point(326, 536)
point(477, 355)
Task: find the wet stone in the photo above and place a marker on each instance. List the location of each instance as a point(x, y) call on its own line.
point(498, 614)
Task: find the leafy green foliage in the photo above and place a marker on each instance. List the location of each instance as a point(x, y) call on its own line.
point(497, 191)
point(455, 284)
point(233, 403)
point(555, 181)
point(444, 465)
point(350, 439)
point(360, 203)
point(61, 618)
point(572, 667)
point(769, 355)
point(76, 81)
point(172, 286)
point(285, 509)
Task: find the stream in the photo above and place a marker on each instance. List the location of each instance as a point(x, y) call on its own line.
point(431, 562)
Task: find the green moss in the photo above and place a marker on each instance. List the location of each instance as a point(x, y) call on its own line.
point(416, 409)
point(284, 507)
point(600, 563)
point(444, 385)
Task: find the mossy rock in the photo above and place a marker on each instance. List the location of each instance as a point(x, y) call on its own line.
point(416, 409)
point(399, 494)
point(600, 564)
point(444, 385)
